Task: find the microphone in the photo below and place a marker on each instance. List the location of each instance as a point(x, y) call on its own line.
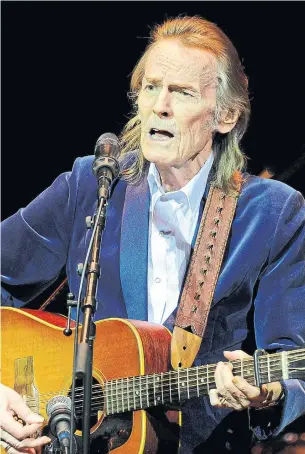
point(105, 166)
point(59, 414)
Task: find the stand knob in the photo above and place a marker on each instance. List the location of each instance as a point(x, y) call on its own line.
point(70, 303)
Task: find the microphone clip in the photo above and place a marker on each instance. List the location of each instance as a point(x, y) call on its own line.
point(106, 169)
point(109, 162)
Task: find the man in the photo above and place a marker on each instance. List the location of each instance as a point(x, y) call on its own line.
point(191, 111)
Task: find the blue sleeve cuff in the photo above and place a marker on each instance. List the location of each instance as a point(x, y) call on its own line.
point(294, 403)
point(270, 422)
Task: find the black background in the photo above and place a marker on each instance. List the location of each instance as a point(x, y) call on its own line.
point(65, 75)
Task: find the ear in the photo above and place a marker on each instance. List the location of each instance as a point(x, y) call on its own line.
point(228, 121)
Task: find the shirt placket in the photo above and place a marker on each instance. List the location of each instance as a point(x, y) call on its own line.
point(162, 255)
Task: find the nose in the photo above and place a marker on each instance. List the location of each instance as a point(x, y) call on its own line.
point(162, 106)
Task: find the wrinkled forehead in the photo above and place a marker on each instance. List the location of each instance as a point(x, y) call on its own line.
point(172, 62)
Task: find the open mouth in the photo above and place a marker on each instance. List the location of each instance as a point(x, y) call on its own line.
point(160, 134)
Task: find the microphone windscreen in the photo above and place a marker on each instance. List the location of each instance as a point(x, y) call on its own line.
point(107, 145)
point(58, 402)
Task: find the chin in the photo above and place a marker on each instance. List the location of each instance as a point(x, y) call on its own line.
point(158, 155)
point(157, 159)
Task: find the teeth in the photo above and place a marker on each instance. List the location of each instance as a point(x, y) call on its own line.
point(161, 131)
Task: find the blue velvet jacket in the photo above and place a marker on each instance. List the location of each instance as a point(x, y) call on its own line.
point(259, 298)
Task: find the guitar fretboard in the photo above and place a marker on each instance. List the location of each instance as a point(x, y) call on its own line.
point(139, 392)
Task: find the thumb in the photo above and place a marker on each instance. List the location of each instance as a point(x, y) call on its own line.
point(20, 407)
point(236, 354)
point(16, 403)
point(34, 418)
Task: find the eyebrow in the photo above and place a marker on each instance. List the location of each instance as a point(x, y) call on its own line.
point(156, 81)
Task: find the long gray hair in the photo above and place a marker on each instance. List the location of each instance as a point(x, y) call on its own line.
point(232, 95)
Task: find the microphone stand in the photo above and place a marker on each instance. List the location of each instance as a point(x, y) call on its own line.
point(84, 357)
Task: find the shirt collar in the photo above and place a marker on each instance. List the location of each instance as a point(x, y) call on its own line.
point(194, 189)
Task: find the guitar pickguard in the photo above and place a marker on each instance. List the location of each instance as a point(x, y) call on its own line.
point(24, 382)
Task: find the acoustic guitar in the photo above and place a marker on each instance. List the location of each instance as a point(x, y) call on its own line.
point(133, 390)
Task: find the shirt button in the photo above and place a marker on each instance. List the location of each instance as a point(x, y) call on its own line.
point(162, 232)
point(157, 280)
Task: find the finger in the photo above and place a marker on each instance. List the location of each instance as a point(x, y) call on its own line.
point(221, 388)
point(26, 443)
point(252, 393)
point(233, 395)
point(16, 429)
point(214, 399)
point(21, 409)
point(236, 354)
point(8, 448)
point(11, 450)
point(28, 451)
point(34, 442)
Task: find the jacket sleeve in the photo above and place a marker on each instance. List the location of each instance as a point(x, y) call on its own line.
point(35, 240)
point(279, 315)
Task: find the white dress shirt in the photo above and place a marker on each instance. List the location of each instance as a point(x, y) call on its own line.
point(172, 223)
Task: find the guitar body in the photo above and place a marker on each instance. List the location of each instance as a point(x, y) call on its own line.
point(37, 362)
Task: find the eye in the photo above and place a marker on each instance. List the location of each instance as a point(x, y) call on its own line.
point(183, 92)
point(150, 87)
point(186, 94)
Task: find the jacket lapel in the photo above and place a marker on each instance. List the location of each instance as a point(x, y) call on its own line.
point(134, 250)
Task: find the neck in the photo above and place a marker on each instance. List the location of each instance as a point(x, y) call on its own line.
point(174, 178)
point(134, 393)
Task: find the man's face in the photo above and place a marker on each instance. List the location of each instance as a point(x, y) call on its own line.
point(176, 103)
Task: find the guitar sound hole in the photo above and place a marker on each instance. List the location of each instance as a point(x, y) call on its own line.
point(114, 430)
point(96, 402)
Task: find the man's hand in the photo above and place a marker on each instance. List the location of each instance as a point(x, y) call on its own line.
point(14, 435)
point(236, 392)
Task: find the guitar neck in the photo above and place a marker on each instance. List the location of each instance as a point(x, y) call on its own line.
point(173, 387)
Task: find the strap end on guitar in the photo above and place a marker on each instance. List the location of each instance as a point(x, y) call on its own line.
point(184, 347)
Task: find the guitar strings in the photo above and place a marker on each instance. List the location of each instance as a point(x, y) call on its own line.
point(120, 395)
point(146, 402)
point(120, 405)
point(298, 356)
point(171, 374)
point(182, 373)
point(139, 380)
point(211, 368)
point(178, 376)
point(134, 403)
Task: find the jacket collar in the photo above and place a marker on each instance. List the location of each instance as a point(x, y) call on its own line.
point(134, 246)
point(134, 249)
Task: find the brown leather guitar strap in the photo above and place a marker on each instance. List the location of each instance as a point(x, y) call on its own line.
point(54, 294)
point(202, 275)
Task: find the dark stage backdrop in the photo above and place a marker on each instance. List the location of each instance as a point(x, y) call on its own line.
point(66, 68)
point(65, 74)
